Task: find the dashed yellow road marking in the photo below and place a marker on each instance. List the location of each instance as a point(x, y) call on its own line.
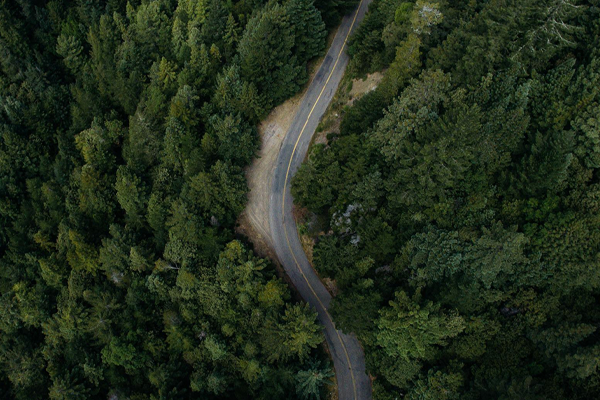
point(283, 200)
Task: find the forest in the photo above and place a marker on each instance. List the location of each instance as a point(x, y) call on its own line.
point(124, 130)
point(458, 208)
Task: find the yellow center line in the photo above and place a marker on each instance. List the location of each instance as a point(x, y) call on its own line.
point(283, 200)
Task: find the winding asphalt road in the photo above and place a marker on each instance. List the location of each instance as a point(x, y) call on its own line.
point(348, 357)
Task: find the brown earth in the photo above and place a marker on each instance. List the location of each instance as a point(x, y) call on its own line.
point(254, 221)
point(362, 86)
point(348, 92)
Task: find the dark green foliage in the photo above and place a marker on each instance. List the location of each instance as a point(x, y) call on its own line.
point(124, 130)
point(266, 54)
point(308, 29)
point(333, 10)
point(364, 113)
point(277, 43)
point(462, 200)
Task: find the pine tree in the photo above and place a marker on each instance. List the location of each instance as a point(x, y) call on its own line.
point(408, 329)
point(307, 27)
point(266, 57)
point(310, 382)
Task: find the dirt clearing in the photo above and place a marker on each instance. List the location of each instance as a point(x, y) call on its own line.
point(254, 221)
point(360, 86)
point(348, 92)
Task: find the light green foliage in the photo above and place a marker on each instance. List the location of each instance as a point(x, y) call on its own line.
point(300, 331)
point(234, 139)
point(310, 382)
point(130, 194)
point(70, 48)
point(405, 64)
point(373, 46)
point(489, 258)
point(233, 95)
point(96, 143)
point(410, 330)
point(403, 12)
point(437, 386)
point(425, 15)
point(405, 118)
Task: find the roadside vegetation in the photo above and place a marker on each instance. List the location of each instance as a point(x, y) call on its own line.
point(461, 200)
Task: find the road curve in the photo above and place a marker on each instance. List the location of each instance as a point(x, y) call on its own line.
point(348, 357)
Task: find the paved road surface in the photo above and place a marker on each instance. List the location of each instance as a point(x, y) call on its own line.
point(348, 356)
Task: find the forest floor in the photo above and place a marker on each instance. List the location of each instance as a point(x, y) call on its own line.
point(348, 92)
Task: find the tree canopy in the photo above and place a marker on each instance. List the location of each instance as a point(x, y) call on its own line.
point(460, 196)
point(124, 130)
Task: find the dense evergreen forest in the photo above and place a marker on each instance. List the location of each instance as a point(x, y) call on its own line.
point(460, 202)
point(124, 128)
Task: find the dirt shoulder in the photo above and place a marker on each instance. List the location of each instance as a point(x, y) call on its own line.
point(348, 92)
point(254, 221)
